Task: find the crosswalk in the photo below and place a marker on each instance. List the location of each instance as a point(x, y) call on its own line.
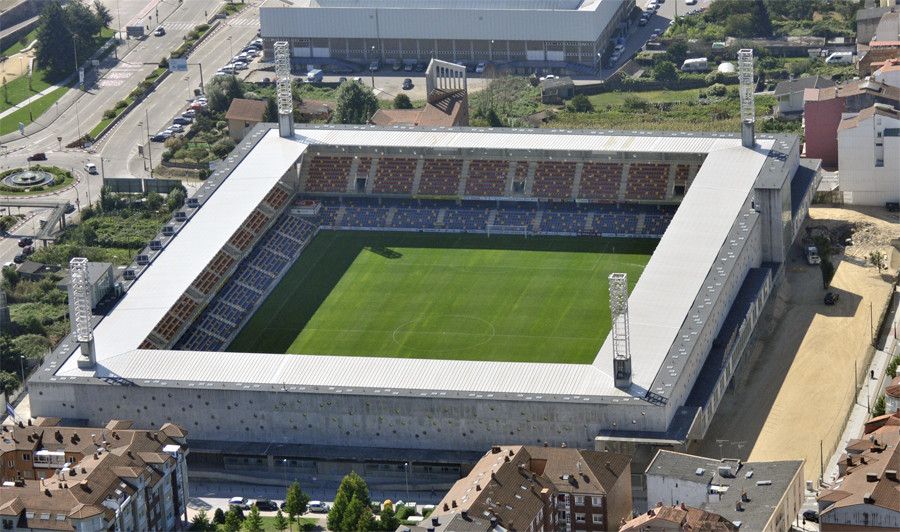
point(118, 75)
point(241, 21)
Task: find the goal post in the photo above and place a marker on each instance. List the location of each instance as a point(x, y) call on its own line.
point(495, 229)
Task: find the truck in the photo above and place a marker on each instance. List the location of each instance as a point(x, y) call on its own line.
point(812, 255)
point(697, 64)
point(314, 76)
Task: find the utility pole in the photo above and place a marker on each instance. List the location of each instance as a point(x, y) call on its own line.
point(149, 149)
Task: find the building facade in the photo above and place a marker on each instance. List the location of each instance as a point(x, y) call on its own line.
point(94, 478)
point(869, 156)
point(520, 33)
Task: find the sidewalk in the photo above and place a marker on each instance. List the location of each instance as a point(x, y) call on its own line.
point(868, 393)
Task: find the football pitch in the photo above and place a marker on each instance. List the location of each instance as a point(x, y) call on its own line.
point(447, 296)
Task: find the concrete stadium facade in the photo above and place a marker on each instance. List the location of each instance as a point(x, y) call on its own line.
point(732, 227)
point(522, 36)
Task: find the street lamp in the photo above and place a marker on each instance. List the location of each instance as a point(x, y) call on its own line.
point(22, 368)
point(406, 467)
point(371, 70)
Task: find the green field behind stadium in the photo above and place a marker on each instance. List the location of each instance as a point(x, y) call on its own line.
point(447, 296)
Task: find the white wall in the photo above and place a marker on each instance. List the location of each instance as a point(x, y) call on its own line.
point(860, 180)
point(863, 515)
point(671, 491)
point(890, 78)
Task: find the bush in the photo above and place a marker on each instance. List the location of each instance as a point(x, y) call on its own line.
point(202, 27)
point(717, 89)
point(109, 114)
point(223, 147)
point(580, 104)
point(401, 101)
point(635, 103)
point(665, 71)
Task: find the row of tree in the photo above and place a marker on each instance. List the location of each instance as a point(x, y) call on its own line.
point(66, 32)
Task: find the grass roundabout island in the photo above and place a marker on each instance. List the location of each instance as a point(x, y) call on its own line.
point(34, 180)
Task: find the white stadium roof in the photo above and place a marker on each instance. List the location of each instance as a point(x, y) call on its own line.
point(658, 305)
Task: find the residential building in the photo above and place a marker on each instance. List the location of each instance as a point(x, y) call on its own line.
point(758, 496)
point(557, 90)
point(101, 280)
point(888, 29)
point(678, 518)
point(867, 22)
point(869, 156)
point(88, 478)
point(242, 115)
point(789, 93)
point(823, 110)
point(866, 496)
point(539, 488)
point(888, 73)
point(446, 105)
point(873, 58)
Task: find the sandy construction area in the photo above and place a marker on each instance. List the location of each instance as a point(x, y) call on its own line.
point(796, 386)
point(16, 65)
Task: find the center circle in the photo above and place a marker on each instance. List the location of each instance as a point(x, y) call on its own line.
point(28, 178)
point(457, 332)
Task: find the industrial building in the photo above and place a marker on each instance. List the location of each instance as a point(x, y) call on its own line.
point(517, 35)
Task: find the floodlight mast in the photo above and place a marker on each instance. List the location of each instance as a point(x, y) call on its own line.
point(621, 341)
point(81, 312)
point(748, 102)
point(283, 93)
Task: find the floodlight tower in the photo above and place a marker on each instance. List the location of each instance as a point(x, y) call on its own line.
point(748, 103)
point(81, 312)
point(283, 95)
point(621, 341)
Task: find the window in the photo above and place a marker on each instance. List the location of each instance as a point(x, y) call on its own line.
point(579, 518)
point(579, 500)
point(26, 457)
point(597, 501)
point(597, 519)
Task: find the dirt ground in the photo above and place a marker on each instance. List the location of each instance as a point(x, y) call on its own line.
point(16, 65)
point(795, 388)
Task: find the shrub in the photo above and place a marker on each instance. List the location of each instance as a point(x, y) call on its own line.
point(223, 147)
point(718, 89)
point(665, 71)
point(580, 104)
point(164, 62)
point(202, 27)
point(635, 103)
point(109, 114)
point(121, 104)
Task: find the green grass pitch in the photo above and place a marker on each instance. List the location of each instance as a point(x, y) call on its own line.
point(447, 296)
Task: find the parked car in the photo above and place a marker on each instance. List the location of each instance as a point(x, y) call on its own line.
point(479, 68)
point(408, 67)
point(69, 208)
point(644, 18)
point(160, 137)
point(831, 298)
point(190, 113)
point(266, 505)
point(318, 507)
point(182, 121)
point(812, 256)
point(40, 156)
point(656, 33)
point(19, 259)
point(257, 42)
point(25, 241)
point(176, 127)
point(811, 516)
point(374, 66)
point(28, 250)
point(397, 66)
point(420, 67)
point(407, 84)
point(357, 79)
point(160, 31)
point(240, 502)
point(240, 65)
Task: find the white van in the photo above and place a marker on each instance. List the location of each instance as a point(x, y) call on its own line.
point(90, 168)
point(840, 58)
point(697, 64)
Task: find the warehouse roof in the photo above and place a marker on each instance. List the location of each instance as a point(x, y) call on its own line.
point(659, 304)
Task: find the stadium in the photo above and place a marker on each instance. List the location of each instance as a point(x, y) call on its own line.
point(518, 35)
point(371, 288)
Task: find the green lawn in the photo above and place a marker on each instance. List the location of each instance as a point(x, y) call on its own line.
point(465, 297)
point(618, 97)
point(17, 46)
point(268, 523)
point(34, 110)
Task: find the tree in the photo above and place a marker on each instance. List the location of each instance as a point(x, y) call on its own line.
point(581, 104)
point(366, 520)
point(827, 269)
point(665, 72)
point(877, 259)
point(153, 201)
point(232, 520)
point(356, 103)
point(53, 51)
point(271, 110)
point(295, 501)
point(677, 51)
point(344, 514)
point(401, 101)
point(879, 407)
point(102, 14)
point(8, 382)
point(201, 522)
point(281, 523)
point(218, 517)
point(253, 522)
point(388, 519)
point(83, 25)
point(493, 119)
point(5, 91)
point(221, 91)
point(175, 198)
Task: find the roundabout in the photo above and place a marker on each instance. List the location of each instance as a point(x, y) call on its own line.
point(34, 180)
point(26, 179)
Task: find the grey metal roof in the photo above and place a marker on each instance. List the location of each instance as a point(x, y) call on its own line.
point(801, 84)
point(763, 499)
point(659, 304)
point(534, 20)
